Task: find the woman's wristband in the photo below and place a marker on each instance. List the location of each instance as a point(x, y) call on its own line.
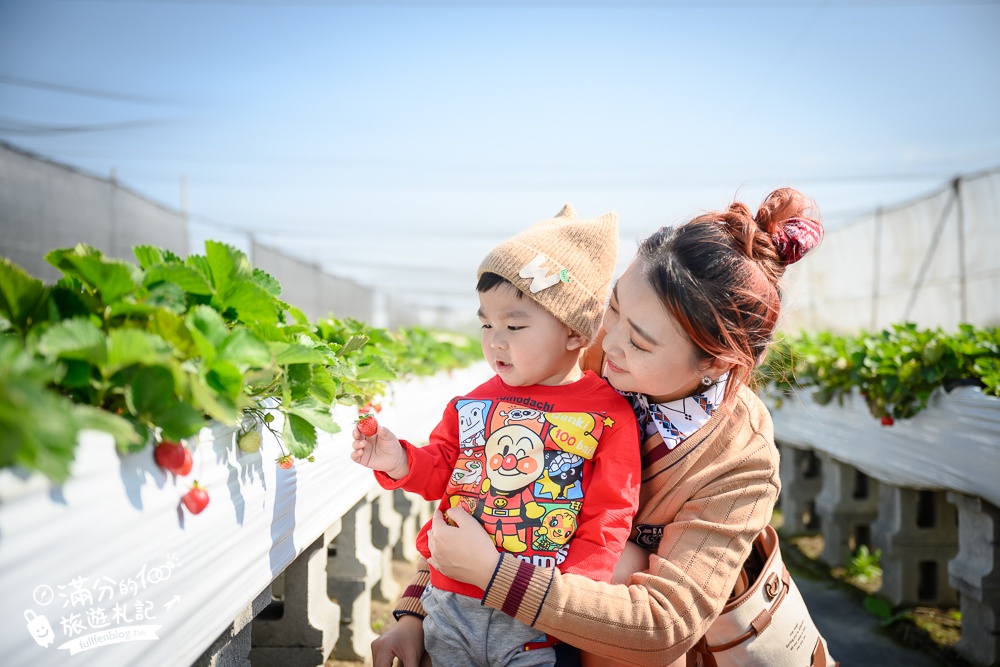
point(409, 602)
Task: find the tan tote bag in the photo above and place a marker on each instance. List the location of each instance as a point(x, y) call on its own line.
point(768, 624)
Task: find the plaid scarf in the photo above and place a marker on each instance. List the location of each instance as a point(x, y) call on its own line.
point(676, 420)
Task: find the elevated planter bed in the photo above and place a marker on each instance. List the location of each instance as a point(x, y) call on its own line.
point(108, 569)
point(953, 445)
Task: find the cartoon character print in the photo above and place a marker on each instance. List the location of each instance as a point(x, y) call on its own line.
point(563, 476)
point(520, 415)
point(520, 472)
point(558, 526)
point(472, 423)
point(514, 460)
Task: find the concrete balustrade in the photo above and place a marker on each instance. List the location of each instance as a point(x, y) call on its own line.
point(917, 533)
point(847, 504)
point(923, 491)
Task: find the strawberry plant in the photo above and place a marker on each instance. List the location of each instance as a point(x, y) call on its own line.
point(155, 349)
point(895, 370)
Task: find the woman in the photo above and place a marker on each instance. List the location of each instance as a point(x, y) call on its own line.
point(686, 325)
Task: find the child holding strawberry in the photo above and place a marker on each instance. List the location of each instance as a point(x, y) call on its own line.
point(545, 455)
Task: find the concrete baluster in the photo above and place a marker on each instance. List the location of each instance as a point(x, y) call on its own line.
point(975, 573)
point(233, 647)
point(354, 567)
point(301, 627)
point(847, 504)
point(801, 480)
point(387, 525)
point(917, 533)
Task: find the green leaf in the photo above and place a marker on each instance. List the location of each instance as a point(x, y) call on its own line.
point(300, 379)
point(147, 255)
point(877, 607)
point(149, 388)
point(287, 354)
point(78, 338)
point(133, 346)
point(45, 445)
point(323, 386)
point(251, 302)
point(267, 281)
point(188, 278)
point(127, 439)
point(243, 348)
point(227, 264)
point(297, 315)
point(298, 435)
point(217, 407)
point(315, 413)
point(225, 378)
point(353, 344)
point(22, 298)
point(376, 370)
point(112, 278)
point(179, 420)
point(207, 329)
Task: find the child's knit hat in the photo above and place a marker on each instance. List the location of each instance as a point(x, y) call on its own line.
point(563, 264)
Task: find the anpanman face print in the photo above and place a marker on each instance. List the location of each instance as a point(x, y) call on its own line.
point(514, 457)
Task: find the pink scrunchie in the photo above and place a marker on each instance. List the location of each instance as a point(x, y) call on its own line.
point(796, 238)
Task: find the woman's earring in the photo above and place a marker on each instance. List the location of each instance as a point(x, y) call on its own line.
point(706, 381)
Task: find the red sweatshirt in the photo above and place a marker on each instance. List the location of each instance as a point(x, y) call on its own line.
point(552, 473)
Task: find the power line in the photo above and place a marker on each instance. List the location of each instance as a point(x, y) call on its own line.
point(75, 90)
point(557, 4)
point(21, 128)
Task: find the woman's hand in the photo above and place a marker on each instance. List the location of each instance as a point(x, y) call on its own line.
point(464, 551)
point(405, 641)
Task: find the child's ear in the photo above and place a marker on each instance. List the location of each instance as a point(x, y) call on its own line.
point(576, 341)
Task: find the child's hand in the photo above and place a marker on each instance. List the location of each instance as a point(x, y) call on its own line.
point(380, 451)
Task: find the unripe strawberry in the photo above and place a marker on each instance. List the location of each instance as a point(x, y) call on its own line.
point(249, 442)
point(285, 462)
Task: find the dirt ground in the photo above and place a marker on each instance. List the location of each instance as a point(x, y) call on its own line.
point(381, 612)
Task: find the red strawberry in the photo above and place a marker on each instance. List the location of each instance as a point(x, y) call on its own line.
point(285, 462)
point(196, 499)
point(172, 456)
point(367, 424)
point(187, 465)
point(888, 421)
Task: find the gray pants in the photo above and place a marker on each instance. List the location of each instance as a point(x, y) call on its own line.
point(460, 632)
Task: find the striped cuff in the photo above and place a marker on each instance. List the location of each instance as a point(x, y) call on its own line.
point(518, 589)
point(409, 601)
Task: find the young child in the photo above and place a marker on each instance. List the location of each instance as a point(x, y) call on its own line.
point(544, 455)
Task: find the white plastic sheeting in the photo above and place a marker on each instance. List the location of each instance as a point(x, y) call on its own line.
point(107, 570)
point(934, 261)
point(954, 444)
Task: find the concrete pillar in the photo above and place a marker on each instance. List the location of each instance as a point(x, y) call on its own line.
point(387, 525)
point(847, 504)
point(232, 648)
point(353, 568)
point(975, 573)
point(408, 506)
point(801, 475)
point(917, 533)
point(301, 627)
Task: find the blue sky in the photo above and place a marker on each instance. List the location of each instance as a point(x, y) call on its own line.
point(396, 142)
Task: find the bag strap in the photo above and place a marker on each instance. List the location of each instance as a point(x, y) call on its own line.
point(763, 619)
